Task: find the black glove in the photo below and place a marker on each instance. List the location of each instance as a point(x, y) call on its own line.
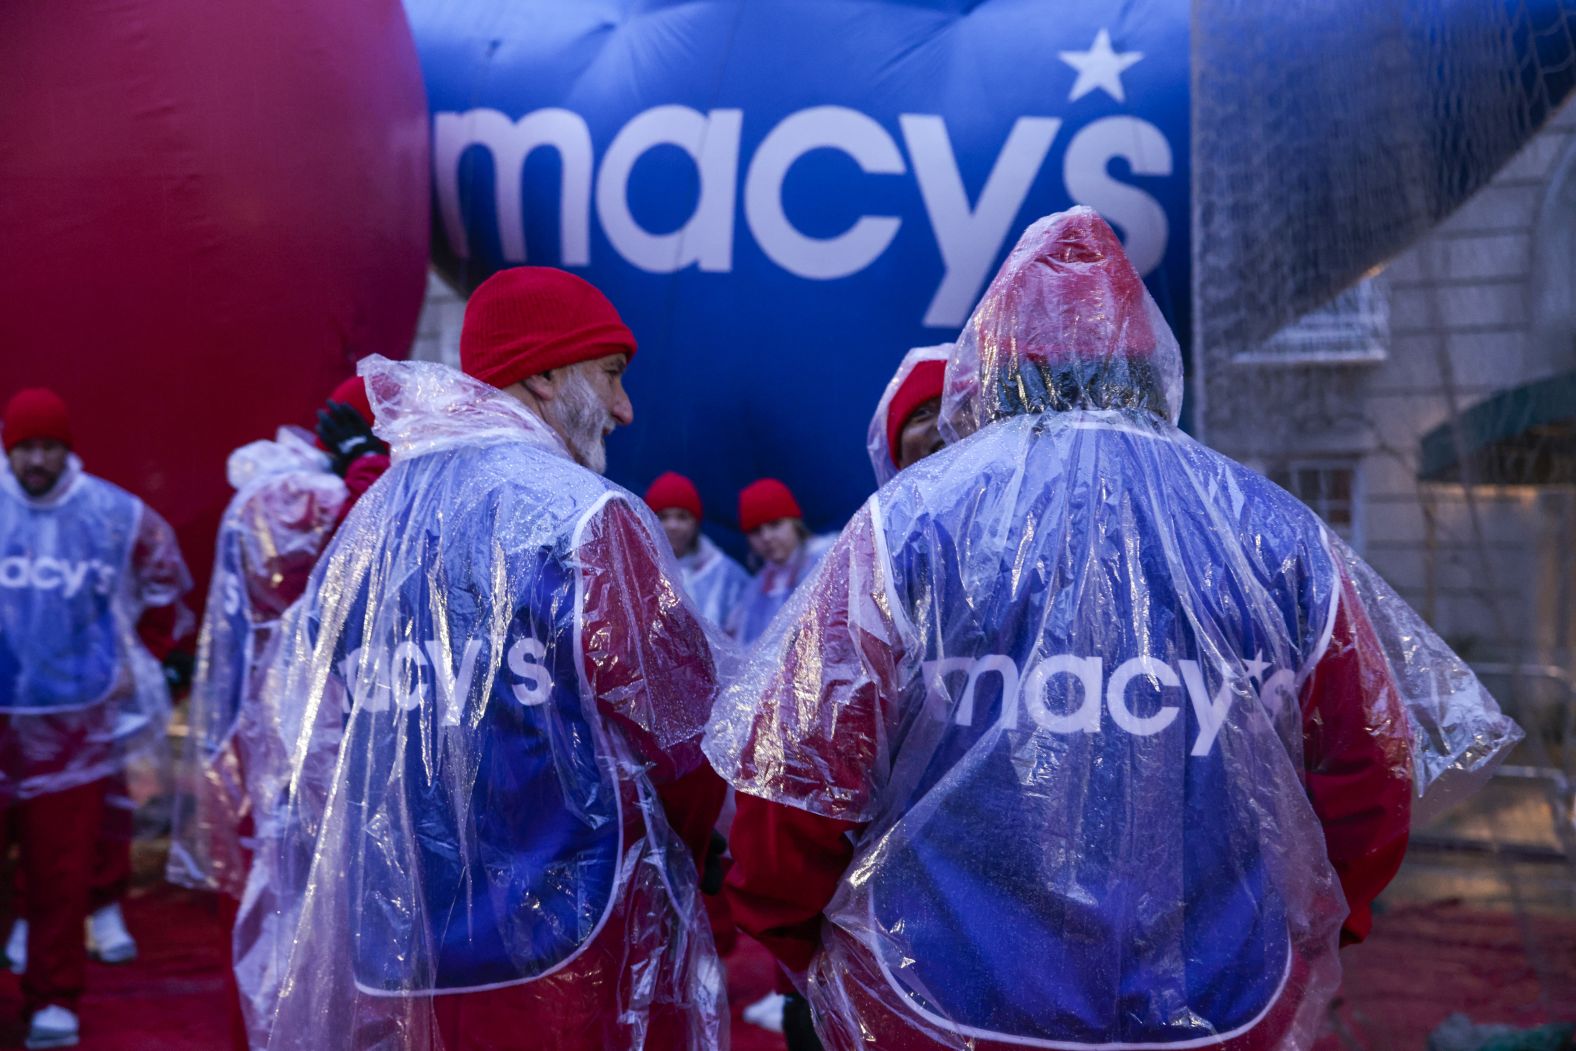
point(716, 868)
point(178, 670)
point(798, 1026)
point(347, 436)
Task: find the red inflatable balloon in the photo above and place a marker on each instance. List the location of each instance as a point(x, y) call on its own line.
point(208, 211)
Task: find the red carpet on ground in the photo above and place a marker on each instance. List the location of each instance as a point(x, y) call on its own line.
point(1422, 964)
point(171, 998)
point(752, 973)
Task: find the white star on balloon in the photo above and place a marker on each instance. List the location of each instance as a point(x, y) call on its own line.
point(1100, 67)
point(1256, 667)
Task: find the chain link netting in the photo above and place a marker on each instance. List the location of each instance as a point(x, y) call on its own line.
point(1385, 203)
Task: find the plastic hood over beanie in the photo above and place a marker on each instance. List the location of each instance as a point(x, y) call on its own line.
point(919, 378)
point(285, 507)
point(1197, 730)
point(1067, 323)
point(501, 685)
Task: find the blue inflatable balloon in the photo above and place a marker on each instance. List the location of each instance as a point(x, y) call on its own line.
point(782, 198)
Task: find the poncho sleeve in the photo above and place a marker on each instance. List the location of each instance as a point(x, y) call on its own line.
point(809, 722)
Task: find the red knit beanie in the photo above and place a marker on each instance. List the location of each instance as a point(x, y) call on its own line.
point(35, 413)
point(922, 385)
point(353, 392)
point(672, 491)
point(766, 501)
point(529, 319)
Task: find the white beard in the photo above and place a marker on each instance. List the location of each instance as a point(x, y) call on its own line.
point(581, 421)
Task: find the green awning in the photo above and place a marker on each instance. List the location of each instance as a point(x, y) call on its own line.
point(1521, 436)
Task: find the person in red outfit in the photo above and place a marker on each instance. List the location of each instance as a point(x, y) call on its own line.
point(345, 430)
point(291, 494)
point(81, 563)
point(903, 431)
point(1083, 735)
point(500, 651)
point(108, 939)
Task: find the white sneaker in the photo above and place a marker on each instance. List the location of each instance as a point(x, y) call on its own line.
point(108, 939)
point(16, 947)
point(767, 1012)
point(54, 1026)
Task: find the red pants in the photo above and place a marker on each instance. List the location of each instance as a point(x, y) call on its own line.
point(112, 854)
point(111, 874)
point(58, 833)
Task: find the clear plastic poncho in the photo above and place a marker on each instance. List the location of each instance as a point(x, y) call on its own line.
point(1109, 712)
point(517, 675)
point(713, 581)
point(1459, 735)
point(80, 695)
point(286, 505)
point(883, 460)
point(769, 590)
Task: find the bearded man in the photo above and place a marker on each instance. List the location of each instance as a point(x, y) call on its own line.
point(502, 688)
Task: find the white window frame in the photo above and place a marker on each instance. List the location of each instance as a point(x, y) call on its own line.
point(1352, 328)
point(1291, 465)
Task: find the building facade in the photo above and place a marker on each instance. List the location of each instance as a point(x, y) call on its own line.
point(1429, 414)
